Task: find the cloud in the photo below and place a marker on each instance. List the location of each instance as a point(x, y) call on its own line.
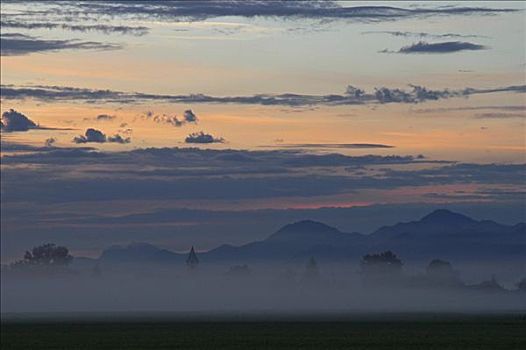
point(14, 44)
point(423, 34)
point(102, 118)
point(472, 108)
point(386, 95)
point(484, 195)
point(97, 136)
point(103, 28)
point(190, 116)
point(277, 160)
point(124, 129)
point(91, 135)
point(202, 10)
point(16, 121)
point(443, 47)
point(201, 137)
point(354, 91)
point(495, 115)
point(172, 120)
point(105, 117)
point(21, 147)
point(118, 139)
point(352, 96)
point(195, 174)
point(465, 173)
point(335, 145)
point(33, 192)
point(50, 142)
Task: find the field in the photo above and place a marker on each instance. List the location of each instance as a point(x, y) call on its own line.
point(391, 332)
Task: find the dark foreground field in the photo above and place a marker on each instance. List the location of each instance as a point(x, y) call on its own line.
point(414, 332)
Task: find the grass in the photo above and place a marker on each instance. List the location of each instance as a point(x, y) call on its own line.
point(430, 333)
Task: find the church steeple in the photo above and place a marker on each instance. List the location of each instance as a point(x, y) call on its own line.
point(192, 261)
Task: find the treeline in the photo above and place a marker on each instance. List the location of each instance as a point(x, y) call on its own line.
point(384, 269)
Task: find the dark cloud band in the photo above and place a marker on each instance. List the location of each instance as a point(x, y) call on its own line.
point(443, 47)
point(103, 28)
point(191, 173)
point(335, 145)
point(200, 10)
point(14, 44)
point(423, 34)
point(352, 96)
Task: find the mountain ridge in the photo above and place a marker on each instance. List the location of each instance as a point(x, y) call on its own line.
point(441, 233)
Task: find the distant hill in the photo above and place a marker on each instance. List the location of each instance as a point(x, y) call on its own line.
point(139, 253)
point(453, 236)
point(441, 234)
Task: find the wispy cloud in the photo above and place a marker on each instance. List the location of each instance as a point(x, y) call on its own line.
point(103, 28)
point(188, 117)
point(423, 34)
point(472, 108)
point(497, 115)
point(50, 142)
point(195, 174)
point(102, 118)
point(352, 96)
point(334, 145)
point(14, 44)
point(200, 10)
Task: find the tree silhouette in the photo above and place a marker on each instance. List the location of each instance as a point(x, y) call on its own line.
point(381, 268)
point(192, 261)
point(45, 255)
point(490, 286)
point(386, 262)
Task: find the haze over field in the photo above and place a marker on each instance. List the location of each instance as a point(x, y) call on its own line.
point(305, 267)
point(276, 139)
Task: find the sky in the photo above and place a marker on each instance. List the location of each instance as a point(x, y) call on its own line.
point(205, 123)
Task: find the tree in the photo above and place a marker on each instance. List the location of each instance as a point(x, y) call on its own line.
point(46, 255)
point(192, 261)
point(386, 262)
point(381, 268)
point(491, 286)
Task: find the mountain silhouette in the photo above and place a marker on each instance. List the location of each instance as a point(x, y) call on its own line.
point(442, 233)
point(306, 230)
point(447, 218)
point(291, 242)
point(453, 236)
point(139, 253)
